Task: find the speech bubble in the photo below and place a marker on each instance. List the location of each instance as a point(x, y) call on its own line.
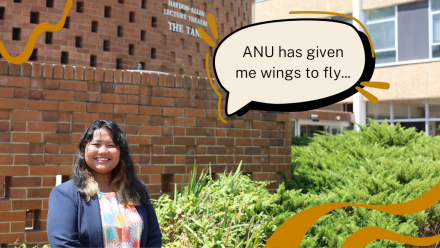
point(292, 65)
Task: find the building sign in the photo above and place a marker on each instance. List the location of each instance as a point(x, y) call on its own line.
point(175, 27)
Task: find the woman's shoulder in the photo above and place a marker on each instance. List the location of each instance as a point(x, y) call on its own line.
point(66, 189)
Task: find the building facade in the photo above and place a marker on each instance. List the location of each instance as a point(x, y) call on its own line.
point(121, 34)
point(406, 39)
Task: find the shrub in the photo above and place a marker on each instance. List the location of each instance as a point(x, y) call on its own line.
point(227, 212)
point(382, 164)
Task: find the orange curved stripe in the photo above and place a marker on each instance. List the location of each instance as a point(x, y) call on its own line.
point(40, 28)
point(205, 37)
point(377, 85)
point(367, 95)
point(292, 231)
point(212, 25)
point(215, 89)
point(364, 236)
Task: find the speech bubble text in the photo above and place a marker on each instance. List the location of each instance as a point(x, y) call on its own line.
point(292, 65)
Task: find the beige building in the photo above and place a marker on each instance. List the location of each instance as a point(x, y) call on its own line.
point(406, 39)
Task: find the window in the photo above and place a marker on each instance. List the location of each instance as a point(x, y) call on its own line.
point(227, 16)
point(205, 7)
point(121, 1)
point(163, 68)
point(67, 23)
point(143, 34)
point(80, 7)
point(154, 22)
point(238, 11)
point(131, 16)
point(33, 56)
point(120, 31)
point(16, 33)
point(164, 40)
point(131, 49)
point(2, 13)
point(203, 62)
point(181, 71)
point(32, 219)
point(182, 44)
point(119, 64)
point(235, 21)
point(232, 6)
point(435, 42)
point(197, 47)
point(216, 10)
point(93, 60)
point(49, 3)
point(223, 28)
point(173, 56)
point(17, 1)
point(94, 27)
point(144, 4)
point(107, 11)
point(189, 60)
point(197, 74)
point(210, 50)
point(223, 3)
point(153, 53)
point(78, 41)
point(381, 24)
point(106, 46)
point(35, 17)
point(142, 65)
point(48, 38)
point(64, 57)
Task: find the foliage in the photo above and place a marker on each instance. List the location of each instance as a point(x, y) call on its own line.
point(227, 212)
point(23, 244)
point(382, 164)
point(304, 140)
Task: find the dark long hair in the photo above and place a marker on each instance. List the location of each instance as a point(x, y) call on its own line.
point(132, 190)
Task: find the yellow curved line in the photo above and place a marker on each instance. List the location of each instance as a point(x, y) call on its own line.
point(216, 91)
point(292, 231)
point(205, 37)
point(40, 28)
point(367, 95)
point(339, 14)
point(364, 236)
point(212, 25)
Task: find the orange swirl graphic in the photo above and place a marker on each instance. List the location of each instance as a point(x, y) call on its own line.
point(40, 28)
point(364, 236)
point(292, 231)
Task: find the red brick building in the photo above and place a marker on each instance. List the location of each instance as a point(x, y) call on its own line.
point(120, 34)
point(170, 120)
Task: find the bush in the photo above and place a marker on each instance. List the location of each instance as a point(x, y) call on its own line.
point(382, 164)
point(227, 212)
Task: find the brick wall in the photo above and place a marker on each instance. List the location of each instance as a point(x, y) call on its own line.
point(172, 55)
point(170, 120)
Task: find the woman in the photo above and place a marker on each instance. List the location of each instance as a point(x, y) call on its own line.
point(105, 205)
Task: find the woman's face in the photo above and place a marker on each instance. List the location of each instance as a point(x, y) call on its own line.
point(101, 154)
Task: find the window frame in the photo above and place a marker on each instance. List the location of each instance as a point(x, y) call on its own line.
point(396, 35)
point(431, 28)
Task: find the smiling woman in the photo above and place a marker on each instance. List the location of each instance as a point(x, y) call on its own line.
point(105, 204)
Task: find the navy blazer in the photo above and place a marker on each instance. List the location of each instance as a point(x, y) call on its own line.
point(73, 222)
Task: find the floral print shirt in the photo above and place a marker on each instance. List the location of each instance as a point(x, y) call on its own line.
point(121, 224)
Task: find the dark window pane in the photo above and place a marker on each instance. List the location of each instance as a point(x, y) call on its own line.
point(386, 57)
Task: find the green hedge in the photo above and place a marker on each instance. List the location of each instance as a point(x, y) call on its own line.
point(382, 164)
